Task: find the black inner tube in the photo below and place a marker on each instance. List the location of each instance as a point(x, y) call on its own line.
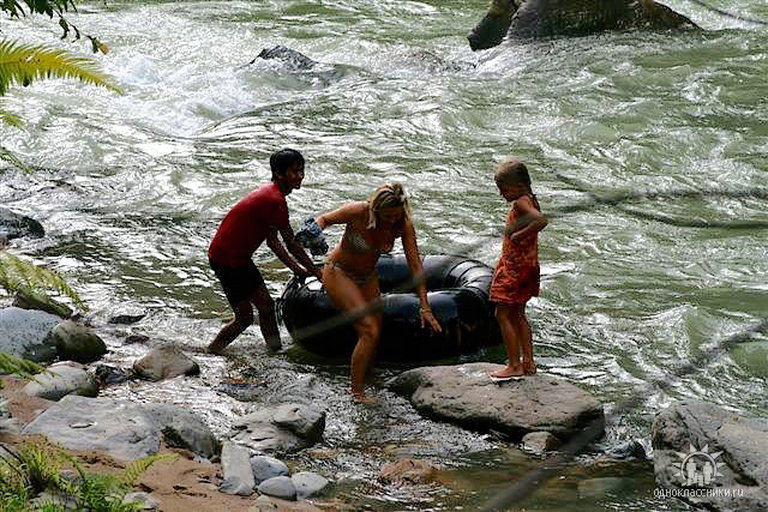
point(458, 294)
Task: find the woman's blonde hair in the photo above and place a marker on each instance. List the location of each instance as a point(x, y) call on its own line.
point(389, 195)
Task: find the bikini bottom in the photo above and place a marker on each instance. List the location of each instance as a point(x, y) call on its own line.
point(360, 280)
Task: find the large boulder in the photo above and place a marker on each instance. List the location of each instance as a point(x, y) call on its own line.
point(60, 380)
point(285, 428)
point(76, 342)
point(466, 395)
point(125, 430)
point(25, 334)
point(14, 225)
point(165, 362)
point(539, 18)
point(698, 444)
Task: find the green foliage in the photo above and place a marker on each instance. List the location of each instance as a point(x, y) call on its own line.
point(14, 365)
point(22, 277)
point(36, 468)
point(24, 63)
point(52, 8)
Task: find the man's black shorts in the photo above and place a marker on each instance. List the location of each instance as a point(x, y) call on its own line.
point(239, 283)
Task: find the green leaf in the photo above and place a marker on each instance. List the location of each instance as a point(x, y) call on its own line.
point(19, 276)
point(13, 159)
point(24, 63)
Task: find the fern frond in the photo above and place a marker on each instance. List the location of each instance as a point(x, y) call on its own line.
point(19, 276)
point(13, 160)
point(137, 468)
point(9, 119)
point(10, 364)
point(22, 64)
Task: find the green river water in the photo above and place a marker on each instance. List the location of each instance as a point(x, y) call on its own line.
point(131, 188)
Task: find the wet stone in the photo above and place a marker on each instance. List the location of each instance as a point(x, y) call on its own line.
point(280, 487)
point(265, 467)
point(308, 484)
point(236, 466)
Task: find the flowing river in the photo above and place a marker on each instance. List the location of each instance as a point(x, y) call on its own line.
point(647, 149)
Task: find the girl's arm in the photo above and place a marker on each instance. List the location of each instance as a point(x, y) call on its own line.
point(343, 215)
point(417, 271)
point(529, 217)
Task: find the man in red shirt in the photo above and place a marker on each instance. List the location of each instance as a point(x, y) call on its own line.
point(257, 217)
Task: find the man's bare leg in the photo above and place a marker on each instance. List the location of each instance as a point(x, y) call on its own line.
point(233, 329)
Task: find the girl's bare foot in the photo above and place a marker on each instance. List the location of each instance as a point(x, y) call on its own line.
point(360, 398)
point(508, 372)
point(529, 368)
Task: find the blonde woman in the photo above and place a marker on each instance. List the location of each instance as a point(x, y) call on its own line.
point(350, 277)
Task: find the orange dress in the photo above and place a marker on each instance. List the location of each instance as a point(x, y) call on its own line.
point(516, 278)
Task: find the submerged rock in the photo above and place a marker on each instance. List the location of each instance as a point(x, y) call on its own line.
point(285, 428)
point(698, 444)
point(408, 471)
point(60, 380)
point(465, 395)
point(15, 225)
point(165, 362)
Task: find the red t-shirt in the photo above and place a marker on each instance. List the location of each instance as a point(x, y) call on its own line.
point(247, 224)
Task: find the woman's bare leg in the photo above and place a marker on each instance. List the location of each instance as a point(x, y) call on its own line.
point(348, 297)
point(505, 314)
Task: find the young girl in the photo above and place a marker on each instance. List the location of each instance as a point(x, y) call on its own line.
point(516, 278)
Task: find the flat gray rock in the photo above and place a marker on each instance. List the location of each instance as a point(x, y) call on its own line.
point(691, 436)
point(60, 380)
point(279, 487)
point(236, 466)
point(121, 429)
point(25, 334)
point(465, 395)
point(125, 430)
point(285, 428)
point(165, 362)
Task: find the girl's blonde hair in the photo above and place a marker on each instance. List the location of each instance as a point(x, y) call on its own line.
point(514, 172)
point(389, 195)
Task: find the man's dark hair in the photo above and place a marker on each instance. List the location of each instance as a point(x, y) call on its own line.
point(285, 159)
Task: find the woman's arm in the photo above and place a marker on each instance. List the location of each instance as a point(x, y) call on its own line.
point(529, 217)
point(417, 271)
point(342, 215)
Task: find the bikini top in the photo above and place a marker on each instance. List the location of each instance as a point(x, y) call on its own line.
point(355, 241)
